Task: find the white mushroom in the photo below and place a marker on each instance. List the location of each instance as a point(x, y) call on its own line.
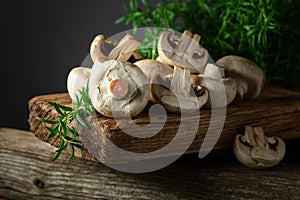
point(118, 88)
point(186, 56)
point(184, 52)
point(176, 94)
point(216, 87)
point(248, 76)
point(104, 48)
point(152, 68)
point(257, 151)
point(77, 79)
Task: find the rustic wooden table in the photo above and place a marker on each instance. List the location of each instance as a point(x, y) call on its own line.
point(27, 172)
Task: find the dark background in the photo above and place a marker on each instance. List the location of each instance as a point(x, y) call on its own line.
point(41, 42)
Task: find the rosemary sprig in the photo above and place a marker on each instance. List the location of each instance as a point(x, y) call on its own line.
point(265, 31)
point(83, 106)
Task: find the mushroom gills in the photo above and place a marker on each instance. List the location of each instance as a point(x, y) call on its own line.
point(257, 151)
point(184, 52)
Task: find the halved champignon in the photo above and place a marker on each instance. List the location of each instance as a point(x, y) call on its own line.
point(152, 68)
point(248, 76)
point(186, 56)
point(104, 48)
point(257, 151)
point(216, 87)
point(77, 79)
point(184, 52)
point(176, 94)
point(118, 88)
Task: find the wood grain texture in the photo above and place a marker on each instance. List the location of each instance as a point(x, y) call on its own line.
point(277, 110)
point(28, 173)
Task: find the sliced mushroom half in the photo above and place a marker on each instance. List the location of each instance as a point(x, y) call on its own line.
point(176, 94)
point(104, 48)
point(257, 151)
point(118, 88)
point(184, 52)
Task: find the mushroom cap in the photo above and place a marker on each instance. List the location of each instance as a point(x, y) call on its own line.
point(244, 70)
point(77, 79)
point(192, 56)
point(257, 151)
point(215, 87)
point(102, 77)
point(152, 68)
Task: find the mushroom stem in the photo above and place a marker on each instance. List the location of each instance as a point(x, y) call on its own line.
point(180, 84)
point(242, 89)
point(185, 39)
point(212, 70)
point(125, 48)
point(118, 88)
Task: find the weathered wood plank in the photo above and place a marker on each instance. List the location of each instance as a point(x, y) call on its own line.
point(28, 173)
point(277, 110)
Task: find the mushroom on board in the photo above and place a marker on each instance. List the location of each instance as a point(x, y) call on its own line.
point(104, 48)
point(222, 91)
point(248, 76)
point(152, 68)
point(185, 55)
point(184, 52)
point(257, 151)
point(77, 79)
point(118, 88)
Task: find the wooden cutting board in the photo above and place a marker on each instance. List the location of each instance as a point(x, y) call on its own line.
point(277, 110)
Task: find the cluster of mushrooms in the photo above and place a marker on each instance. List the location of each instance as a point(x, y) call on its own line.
point(182, 79)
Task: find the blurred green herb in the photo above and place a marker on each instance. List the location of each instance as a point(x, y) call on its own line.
point(264, 31)
point(83, 106)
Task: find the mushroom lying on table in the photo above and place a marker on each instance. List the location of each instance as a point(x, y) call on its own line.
point(248, 76)
point(77, 79)
point(118, 88)
point(104, 48)
point(257, 151)
point(185, 55)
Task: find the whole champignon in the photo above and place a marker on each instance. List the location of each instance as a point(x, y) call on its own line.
point(118, 88)
point(104, 48)
point(184, 52)
point(248, 76)
point(216, 87)
point(257, 151)
point(152, 68)
point(77, 79)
